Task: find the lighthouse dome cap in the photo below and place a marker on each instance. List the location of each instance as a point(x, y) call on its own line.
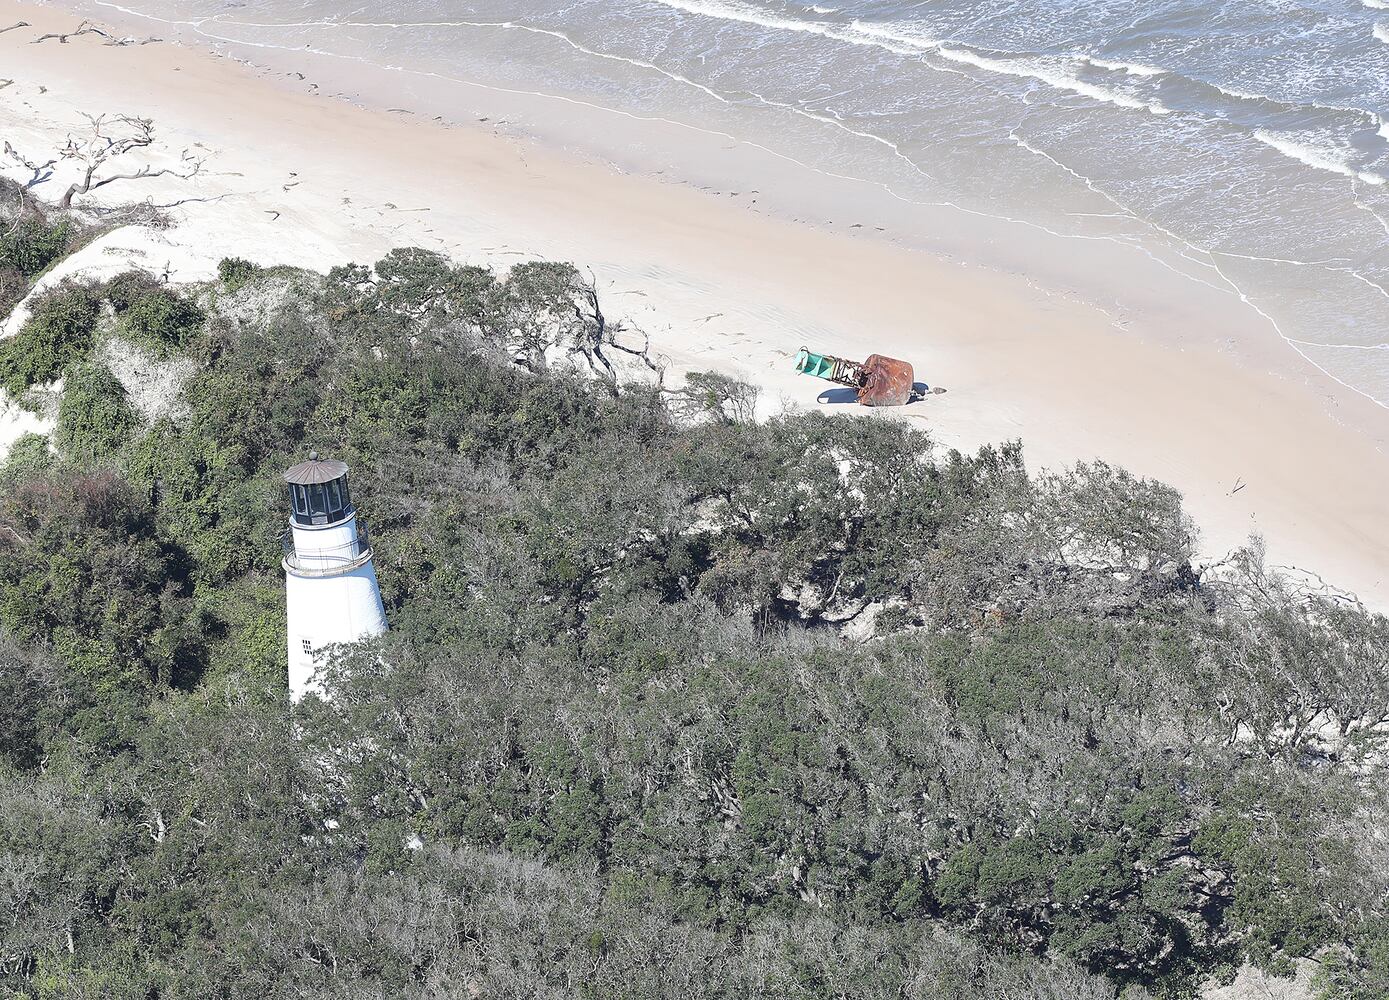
point(315, 471)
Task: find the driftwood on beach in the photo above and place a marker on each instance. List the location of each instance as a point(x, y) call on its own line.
point(100, 146)
point(105, 141)
point(87, 28)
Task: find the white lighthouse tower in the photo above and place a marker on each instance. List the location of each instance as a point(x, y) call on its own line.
point(331, 593)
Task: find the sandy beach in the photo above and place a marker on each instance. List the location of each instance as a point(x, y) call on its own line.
point(1008, 324)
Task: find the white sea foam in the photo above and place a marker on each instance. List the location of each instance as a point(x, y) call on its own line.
point(906, 42)
point(747, 15)
point(856, 35)
point(896, 38)
point(1132, 69)
point(1382, 33)
point(1376, 4)
point(1052, 75)
point(1239, 95)
point(1322, 157)
point(1244, 95)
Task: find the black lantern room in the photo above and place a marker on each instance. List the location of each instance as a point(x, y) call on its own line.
point(318, 492)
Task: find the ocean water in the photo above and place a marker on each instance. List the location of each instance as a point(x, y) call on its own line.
point(1249, 141)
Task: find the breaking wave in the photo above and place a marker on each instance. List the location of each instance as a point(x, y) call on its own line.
point(1322, 157)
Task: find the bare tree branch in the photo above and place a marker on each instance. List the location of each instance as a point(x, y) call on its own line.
point(88, 28)
point(15, 535)
point(40, 172)
point(18, 213)
point(602, 333)
point(102, 145)
point(85, 28)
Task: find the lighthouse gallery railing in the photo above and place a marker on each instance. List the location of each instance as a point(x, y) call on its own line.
point(333, 559)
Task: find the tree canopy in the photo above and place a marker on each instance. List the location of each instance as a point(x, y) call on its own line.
point(674, 703)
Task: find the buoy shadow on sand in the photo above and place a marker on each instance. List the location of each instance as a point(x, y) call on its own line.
point(844, 394)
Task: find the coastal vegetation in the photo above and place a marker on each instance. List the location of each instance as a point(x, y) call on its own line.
point(674, 702)
point(31, 239)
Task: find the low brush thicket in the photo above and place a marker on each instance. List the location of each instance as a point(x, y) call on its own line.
point(65, 323)
point(32, 239)
point(669, 707)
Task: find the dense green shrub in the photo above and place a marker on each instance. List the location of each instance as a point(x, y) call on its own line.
point(29, 455)
point(235, 272)
point(84, 574)
point(128, 288)
point(161, 320)
point(1362, 971)
point(94, 417)
point(31, 243)
point(58, 333)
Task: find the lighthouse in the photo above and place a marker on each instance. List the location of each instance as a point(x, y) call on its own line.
point(331, 593)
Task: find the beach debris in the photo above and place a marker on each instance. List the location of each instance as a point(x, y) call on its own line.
point(40, 171)
point(876, 381)
point(88, 28)
point(96, 151)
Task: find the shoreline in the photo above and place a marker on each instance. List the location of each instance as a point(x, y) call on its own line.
point(1185, 291)
point(299, 178)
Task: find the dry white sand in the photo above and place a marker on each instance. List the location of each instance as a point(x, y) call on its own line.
point(1251, 984)
point(295, 178)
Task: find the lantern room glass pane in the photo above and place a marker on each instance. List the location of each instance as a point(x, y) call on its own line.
point(316, 500)
point(300, 501)
point(334, 500)
point(346, 499)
